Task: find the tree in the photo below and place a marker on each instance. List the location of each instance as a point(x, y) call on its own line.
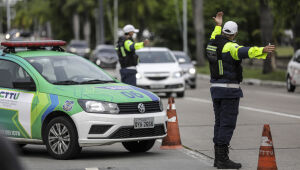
point(266, 26)
point(199, 29)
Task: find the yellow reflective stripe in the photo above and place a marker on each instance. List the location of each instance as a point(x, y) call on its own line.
point(139, 45)
point(210, 49)
point(127, 44)
point(256, 52)
point(220, 67)
point(233, 49)
point(123, 52)
point(217, 31)
point(210, 46)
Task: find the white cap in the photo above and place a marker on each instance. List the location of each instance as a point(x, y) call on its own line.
point(130, 28)
point(230, 28)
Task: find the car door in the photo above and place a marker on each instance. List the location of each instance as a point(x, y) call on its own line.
point(17, 90)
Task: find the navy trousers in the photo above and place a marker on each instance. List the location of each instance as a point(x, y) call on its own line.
point(226, 112)
point(128, 76)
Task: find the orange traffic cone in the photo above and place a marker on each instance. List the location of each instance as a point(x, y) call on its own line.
point(172, 140)
point(266, 160)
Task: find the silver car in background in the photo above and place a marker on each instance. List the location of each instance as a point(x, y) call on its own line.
point(293, 72)
point(105, 56)
point(188, 67)
point(79, 47)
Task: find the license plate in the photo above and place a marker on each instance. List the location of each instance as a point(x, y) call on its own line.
point(157, 86)
point(140, 123)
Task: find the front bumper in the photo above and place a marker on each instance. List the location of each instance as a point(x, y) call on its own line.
point(120, 128)
point(162, 86)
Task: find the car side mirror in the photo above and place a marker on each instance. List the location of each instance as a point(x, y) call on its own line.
point(194, 62)
point(30, 86)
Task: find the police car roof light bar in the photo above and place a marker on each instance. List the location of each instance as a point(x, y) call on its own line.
point(48, 43)
point(32, 45)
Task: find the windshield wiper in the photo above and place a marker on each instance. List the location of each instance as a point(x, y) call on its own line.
point(67, 82)
point(97, 81)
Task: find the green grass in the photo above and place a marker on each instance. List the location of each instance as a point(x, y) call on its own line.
point(256, 73)
point(284, 51)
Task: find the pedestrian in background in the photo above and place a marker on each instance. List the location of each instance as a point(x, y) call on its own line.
point(127, 57)
point(225, 58)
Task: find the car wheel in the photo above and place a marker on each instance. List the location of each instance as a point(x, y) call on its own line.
point(193, 86)
point(290, 87)
point(139, 146)
point(61, 138)
point(180, 94)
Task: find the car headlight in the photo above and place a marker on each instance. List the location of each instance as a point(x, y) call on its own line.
point(92, 106)
point(98, 62)
point(7, 36)
point(138, 75)
point(73, 50)
point(192, 70)
point(87, 50)
point(177, 74)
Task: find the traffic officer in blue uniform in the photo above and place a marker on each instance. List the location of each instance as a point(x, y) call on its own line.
point(127, 57)
point(225, 58)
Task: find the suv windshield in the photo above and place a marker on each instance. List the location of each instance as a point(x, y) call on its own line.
point(67, 70)
point(155, 57)
point(182, 58)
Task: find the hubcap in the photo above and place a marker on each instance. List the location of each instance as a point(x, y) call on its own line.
point(59, 138)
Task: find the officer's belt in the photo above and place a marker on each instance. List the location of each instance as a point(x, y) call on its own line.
point(226, 85)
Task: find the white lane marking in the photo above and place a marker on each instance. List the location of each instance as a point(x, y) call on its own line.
point(91, 169)
point(250, 108)
point(277, 94)
point(203, 158)
point(196, 155)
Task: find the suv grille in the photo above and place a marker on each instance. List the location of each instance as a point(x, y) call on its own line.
point(130, 132)
point(132, 108)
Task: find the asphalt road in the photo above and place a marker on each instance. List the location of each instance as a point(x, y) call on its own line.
point(260, 105)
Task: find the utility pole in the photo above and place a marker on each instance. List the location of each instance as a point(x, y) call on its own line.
point(185, 46)
point(8, 14)
point(101, 22)
point(116, 21)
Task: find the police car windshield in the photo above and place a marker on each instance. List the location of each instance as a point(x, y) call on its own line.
point(155, 57)
point(69, 70)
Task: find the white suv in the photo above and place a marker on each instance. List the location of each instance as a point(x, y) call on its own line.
point(159, 71)
point(293, 72)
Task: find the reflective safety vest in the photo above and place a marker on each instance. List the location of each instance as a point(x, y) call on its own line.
point(222, 65)
point(126, 58)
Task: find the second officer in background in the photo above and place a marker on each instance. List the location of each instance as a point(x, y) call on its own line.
point(127, 56)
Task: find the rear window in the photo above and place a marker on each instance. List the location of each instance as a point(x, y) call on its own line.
point(156, 57)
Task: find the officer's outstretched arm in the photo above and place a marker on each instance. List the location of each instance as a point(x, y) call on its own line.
point(240, 52)
point(131, 46)
point(218, 20)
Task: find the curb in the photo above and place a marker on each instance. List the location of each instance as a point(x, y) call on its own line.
point(250, 81)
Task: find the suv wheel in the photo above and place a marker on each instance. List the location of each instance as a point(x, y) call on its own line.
point(290, 87)
point(139, 146)
point(61, 138)
point(180, 94)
